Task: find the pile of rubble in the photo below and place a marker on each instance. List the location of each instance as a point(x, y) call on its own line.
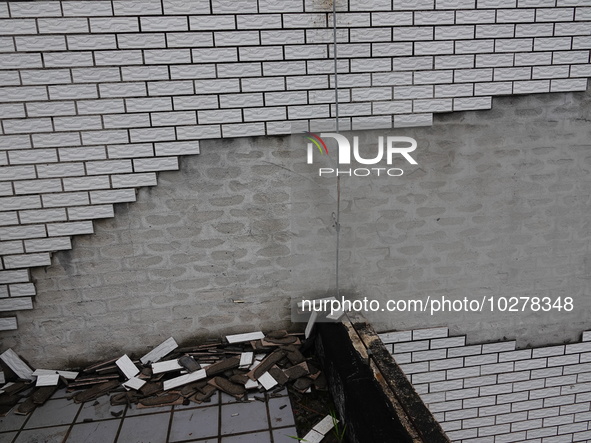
point(243, 364)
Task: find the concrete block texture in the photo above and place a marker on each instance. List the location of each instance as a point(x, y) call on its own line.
point(97, 97)
point(248, 219)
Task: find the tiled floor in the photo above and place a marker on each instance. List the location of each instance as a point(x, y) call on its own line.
point(223, 420)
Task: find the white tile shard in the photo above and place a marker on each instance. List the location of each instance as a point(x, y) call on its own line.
point(325, 425)
point(48, 380)
point(160, 351)
point(267, 381)
point(246, 359)
point(134, 383)
point(184, 379)
point(127, 367)
point(321, 428)
point(313, 437)
point(239, 338)
point(70, 375)
point(166, 366)
point(251, 384)
point(19, 367)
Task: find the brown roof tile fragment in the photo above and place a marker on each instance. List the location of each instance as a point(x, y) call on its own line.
point(96, 391)
point(189, 363)
point(160, 400)
point(267, 363)
point(297, 371)
point(302, 383)
point(228, 387)
point(278, 375)
point(222, 366)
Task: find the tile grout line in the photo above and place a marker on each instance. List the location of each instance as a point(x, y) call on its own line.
point(267, 398)
point(123, 415)
point(170, 423)
point(73, 422)
point(219, 417)
point(18, 431)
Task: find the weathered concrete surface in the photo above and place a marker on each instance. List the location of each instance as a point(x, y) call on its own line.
point(497, 206)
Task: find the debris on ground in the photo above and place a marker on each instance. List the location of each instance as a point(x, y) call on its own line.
point(317, 433)
point(242, 365)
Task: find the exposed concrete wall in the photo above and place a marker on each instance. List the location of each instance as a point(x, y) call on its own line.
point(498, 205)
point(97, 96)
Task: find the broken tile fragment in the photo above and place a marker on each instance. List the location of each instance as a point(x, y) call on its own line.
point(246, 359)
point(166, 366)
point(17, 365)
point(96, 391)
point(325, 425)
point(222, 365)
point(251, 384)
point(184, 379)
point(134, 383)
point(26, 407)
point(161, 400)
point(279, 375)
point(151, 388)
point(204, 394)
point(297, 371)
point(240, 338)
point(267, 381)
point(302, 384)
point(228, 387)
point(48, 380)
point(69, 375)
point(160, 351)
point(189, 363)
point(127, 367)
point(266, 364)
point(241, 379)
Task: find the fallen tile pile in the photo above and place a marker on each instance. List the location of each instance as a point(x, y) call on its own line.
point(241, 365)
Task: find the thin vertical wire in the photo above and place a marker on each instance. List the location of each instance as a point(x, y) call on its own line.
point(336, 97)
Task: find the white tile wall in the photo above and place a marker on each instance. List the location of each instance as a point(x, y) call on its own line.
point(494, 393)
point(95, 97)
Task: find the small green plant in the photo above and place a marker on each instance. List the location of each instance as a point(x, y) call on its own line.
point(297, 438)
point(338, 430)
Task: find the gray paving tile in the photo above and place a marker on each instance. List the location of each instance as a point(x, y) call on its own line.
point(12, 422)
point(285, 435)
point(98, 410)
point(97, 432)
point(144, 429)
point(7, 437)
point(54, 412)
point(280, 412)
point(225, 398)
point(258, 437)
point(193, 405)
point(44, 435)
point(244, 417)
point(194, 423)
